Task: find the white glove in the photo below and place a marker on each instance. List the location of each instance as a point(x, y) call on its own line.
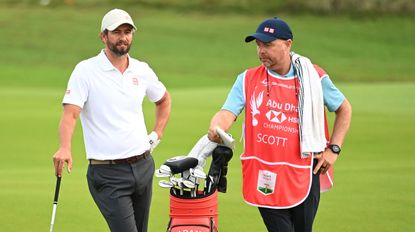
point(154, 140)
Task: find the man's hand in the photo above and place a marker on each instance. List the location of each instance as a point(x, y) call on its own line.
point(66, 128)
point(61, 157)
point(213, 136)
point(325, 161)
point(340, 128)
point(154, 140)
point(222, 119)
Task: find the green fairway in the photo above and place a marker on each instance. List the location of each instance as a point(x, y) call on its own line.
point(42, 45)
point(373, 190)
point(198, 57)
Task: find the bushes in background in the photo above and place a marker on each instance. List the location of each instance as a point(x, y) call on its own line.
point(248, 6)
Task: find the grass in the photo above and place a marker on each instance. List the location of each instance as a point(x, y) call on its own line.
point(198, 56)
point(41, 45)
point(373, 175)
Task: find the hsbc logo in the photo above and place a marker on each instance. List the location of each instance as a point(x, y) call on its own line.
point(276, 116)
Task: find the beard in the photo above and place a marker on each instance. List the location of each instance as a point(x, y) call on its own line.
point(119, 51)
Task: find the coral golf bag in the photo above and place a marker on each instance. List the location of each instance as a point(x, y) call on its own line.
point(193, 209)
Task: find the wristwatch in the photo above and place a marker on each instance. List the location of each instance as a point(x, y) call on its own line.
point(335, 149)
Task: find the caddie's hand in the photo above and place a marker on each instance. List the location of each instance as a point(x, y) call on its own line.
point(61, 157)
point(325, 160)
point(153, 139)
point(213, 135)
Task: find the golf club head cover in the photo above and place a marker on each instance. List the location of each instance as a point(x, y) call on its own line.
point(223, 154)
point(202, 150)
point(178, 164)
point(221, 157)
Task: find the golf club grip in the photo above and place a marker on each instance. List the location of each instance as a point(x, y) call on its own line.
point(58, 185)
point(226, 138)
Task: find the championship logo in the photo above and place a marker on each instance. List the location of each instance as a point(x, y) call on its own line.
point(266, 182)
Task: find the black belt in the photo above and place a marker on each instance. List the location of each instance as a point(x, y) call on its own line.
point(129, 160)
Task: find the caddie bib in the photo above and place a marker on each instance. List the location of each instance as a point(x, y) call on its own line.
point(274, 174)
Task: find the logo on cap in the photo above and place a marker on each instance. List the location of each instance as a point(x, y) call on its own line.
point(270, 30)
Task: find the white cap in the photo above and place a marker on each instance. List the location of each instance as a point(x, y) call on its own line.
point(114, 18)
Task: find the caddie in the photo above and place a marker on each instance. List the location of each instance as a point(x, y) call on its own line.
point(288, 154)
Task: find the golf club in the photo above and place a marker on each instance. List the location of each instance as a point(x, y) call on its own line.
point(55, 201)
point(174, 180)
point(159, 173)
point(209, 183)
point(165, 184)
point(165, 169)
point(198, 173)
point(188, 183)
point(226, 138)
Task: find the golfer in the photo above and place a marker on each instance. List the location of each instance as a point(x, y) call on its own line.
point(107, 92)
point(287, 148)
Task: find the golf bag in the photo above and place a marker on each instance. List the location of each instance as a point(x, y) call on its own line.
point(194, 214)
point(199, 211)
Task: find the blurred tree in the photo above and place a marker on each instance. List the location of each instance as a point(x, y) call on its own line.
point(259, 6)
point(351, 6)
point(70, 2)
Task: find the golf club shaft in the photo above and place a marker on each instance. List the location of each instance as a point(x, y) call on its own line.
point(55, 201)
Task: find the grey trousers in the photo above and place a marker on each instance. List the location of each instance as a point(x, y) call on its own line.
point(122, 193)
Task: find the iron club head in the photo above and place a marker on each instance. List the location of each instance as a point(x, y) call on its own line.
point(165, 184)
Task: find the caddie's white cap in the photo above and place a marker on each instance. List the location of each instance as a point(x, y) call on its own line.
point(114, 18)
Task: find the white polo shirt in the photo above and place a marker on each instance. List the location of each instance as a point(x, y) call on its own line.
point(112, 116)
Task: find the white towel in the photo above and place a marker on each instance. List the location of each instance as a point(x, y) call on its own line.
point(310, 107)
